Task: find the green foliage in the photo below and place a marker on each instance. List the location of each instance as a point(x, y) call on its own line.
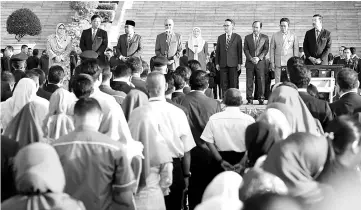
point(106, 6)
point(23, 22)
point(84, 7)
point(106, 15)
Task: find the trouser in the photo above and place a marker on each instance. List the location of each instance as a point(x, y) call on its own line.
point(277, 75)
point(258, 72)
point(231, 157)
point(229, 77)
point(173, 201)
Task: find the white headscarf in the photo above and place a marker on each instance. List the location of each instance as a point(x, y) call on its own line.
point(278, 120)
point(199, 41)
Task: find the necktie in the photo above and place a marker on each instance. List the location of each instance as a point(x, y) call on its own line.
point(255, 40)
point(227, 41)
point(94, 33)
point(129, 38)
point(317, 33)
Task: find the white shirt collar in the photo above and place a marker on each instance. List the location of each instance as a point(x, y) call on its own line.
point(351, 91)
point(201, 91)
point(232, 108)
point(229, 34)
point(121, 80)
point(157, 99)
point(302, 90)
point(179, 91)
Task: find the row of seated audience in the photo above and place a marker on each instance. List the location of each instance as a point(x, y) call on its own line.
point(116, 141)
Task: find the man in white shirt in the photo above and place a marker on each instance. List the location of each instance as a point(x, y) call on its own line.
point(174, 128)
point(225, 131)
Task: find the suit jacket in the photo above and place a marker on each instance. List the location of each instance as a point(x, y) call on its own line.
point(318, 108)
point(208, 92)
point(44, 64)
point(51, 88)
point(121, 86)
point(44, 94)
point(350, 103)
point(233, 55)
point(99, 44)
point(6, 64)
point(351, 63)
point(183, 61)
point(133, 48)
point(139, 84)
point(282, 50)
point(260, 50)
point(170, 50)
point(317, 48)
point(32, 62)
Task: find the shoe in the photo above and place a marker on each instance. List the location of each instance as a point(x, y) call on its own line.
point(261, 102)
point(250, 102)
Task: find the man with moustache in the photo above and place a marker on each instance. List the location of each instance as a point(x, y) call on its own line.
point(256, 47)
point(317, 43)
point(130, 43)
point(284, 45)
point(169, 44)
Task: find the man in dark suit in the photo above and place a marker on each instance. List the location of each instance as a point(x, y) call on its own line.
point(347, 61)
point(34, 60)
point(200, 108)
point(94, 38)
point(350, 100)
point(55, 79)
point(183, 61)
point(122, 79)
point(340, 56)
point(130, 43)
point(317, 43)
point(5, 60)
point(228, 56)
point(18, 63)
point(44, 62)
point(169, 44)
point(135, 64)
point(41, 92)
point(111, 60)
point(301, 77)
point(256, 46)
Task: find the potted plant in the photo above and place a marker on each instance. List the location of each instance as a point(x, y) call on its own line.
point(23, 22)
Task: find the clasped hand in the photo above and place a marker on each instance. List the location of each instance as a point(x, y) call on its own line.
point(228, 167)
point(255, 60)
point(314, 60)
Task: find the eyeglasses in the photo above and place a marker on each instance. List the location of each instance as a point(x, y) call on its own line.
point(61, 28)
point(167, 24)
point(226, 25)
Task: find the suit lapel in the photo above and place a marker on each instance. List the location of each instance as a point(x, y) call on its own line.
point(251, 40)
point(232, 39)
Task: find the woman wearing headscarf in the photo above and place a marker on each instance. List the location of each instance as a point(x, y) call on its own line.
point(59, 46)
point(24, 93)
point(222, 193)
point(59, 120)
point(300, 118)
point(26, 127)
point(40, 181)
point(277, 120)
point(197, 47)
point(298, 161)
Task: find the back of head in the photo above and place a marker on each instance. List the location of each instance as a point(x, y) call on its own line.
point(300, 76)
point(347, 80)
point(85, 106)
point(232, 97)
point(294, 61)
point(194, 65)
point(107, 74)
point(353, 50)
point(170, 82)
point(135, 64)
point(199, 80)
point(82, 85)
point(89, 67)
point(35, 52)
point(31, 74)
point(56, 74)
point(122, 70)
point(8, 77)
point(146, 69)
point(184, 71)
point(179, 82)
point(272, 201)
point(155, 84)
point(41, 74)
point(312, 90)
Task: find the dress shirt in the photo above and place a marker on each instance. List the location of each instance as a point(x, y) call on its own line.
point(94, 32)
point(227, 129)
point(317, 31)
point(230, 36)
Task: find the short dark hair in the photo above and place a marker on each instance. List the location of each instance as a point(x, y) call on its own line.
point(346, 48)
point(214, 44)
point(184, 51)
point(86, 105)
point(32, 74)
point(285, 20)
point(347, 79)
point(95, 16)
point(135, 64)
point(24, 46)
point(300, 76)
point(170, 81)
point(7, 76)
point(353, 50)
point(41, 74)
point(257, 21)
point(18, 64)
point(44, 51)
point(232, 97)
point(179, 82)
point(319, 16)
point(194, 65)
point(199, 80)
point(56, 74)
point(330, 57)
point(294, 61)
point(230, 20)
point(146, 69)
point(35, 52)
point(312, 90)
point(90, 67)
point(122, 70)
point(82, 85)
point(184, 71)
point(10, 48)
point(108, 49)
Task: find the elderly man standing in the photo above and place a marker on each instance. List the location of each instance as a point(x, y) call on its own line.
point(284, 45)
point(169, 45)
point(317, 43)
point(130, 43)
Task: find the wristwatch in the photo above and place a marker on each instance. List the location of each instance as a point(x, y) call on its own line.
point(187, 175)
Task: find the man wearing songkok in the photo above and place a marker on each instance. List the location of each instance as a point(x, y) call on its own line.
point(96, 167)
point(94, 38)
point(284, 45)
point(169, 44)
point(18, 62)
point(350, 100)
point(225, 132)
point(130, 43)
point(174, 128)
point(200, 109)
point(317, 43)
